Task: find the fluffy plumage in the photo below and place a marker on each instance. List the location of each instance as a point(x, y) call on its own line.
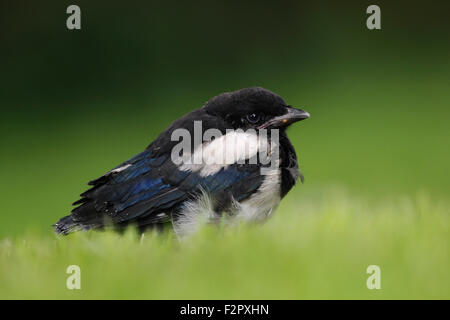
point(150, 190)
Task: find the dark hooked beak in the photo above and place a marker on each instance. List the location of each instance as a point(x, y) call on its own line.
point(292, 115)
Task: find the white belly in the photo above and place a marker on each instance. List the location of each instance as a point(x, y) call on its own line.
point(260, 205)
point(257, 208)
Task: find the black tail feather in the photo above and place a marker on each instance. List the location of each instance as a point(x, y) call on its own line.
point(65, 226)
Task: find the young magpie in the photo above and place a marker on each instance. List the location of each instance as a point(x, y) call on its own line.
point(152, 189)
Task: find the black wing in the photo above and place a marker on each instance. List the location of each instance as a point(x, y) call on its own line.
point(144, 188)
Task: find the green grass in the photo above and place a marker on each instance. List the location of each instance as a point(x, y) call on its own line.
point(309, 249)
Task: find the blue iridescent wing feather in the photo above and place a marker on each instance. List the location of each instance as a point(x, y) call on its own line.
point(147, 185)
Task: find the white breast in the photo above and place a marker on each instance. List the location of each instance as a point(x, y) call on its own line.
point(257, 208)
point(260, 205)
point(218, 154)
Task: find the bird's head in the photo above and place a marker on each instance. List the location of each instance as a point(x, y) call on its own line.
point(254, 108)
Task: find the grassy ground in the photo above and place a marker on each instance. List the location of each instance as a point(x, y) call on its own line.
point(318, 249)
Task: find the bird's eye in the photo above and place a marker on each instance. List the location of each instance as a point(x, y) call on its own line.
point(253, 118)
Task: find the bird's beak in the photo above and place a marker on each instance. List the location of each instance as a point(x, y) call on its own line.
point(292, 115)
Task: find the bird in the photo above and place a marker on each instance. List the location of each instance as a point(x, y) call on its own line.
point(229, 182)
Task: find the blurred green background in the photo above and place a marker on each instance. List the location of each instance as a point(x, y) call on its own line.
point(75, 104)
